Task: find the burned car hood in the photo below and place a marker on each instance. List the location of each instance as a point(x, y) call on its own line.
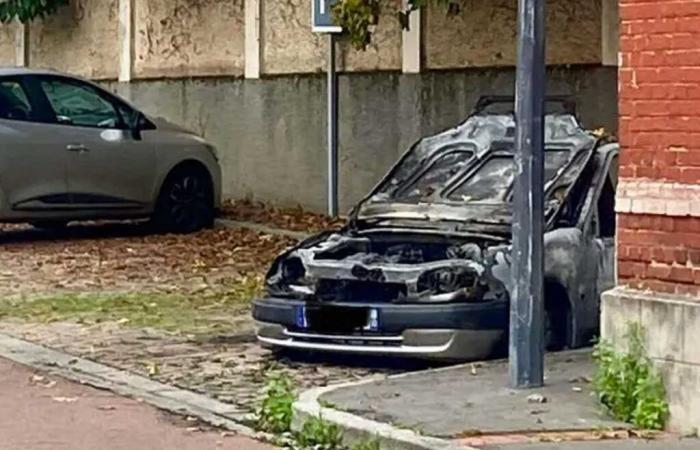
point(466, 174)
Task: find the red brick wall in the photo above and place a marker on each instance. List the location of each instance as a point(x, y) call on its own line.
point(659, 195)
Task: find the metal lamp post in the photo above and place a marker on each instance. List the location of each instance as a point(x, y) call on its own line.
point(526, 349)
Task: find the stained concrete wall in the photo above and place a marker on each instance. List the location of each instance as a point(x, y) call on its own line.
point(80, 38)
point(484, 34)
point(192, 38)
point(7, 45)
point(271, 133)
point(178, 38)
point(290, 47)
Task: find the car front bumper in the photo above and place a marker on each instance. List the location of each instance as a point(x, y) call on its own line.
point(465, 331)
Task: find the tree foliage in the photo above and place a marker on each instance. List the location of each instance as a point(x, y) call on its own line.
point(27, 10)
point(359, 17)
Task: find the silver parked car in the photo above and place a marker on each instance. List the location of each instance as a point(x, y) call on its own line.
point(69, 150)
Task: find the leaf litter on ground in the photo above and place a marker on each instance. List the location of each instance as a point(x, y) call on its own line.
point(293, 219)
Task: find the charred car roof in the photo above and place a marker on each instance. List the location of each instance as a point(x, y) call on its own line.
point(467, 173)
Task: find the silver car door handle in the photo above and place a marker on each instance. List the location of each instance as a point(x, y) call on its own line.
point(77, 148)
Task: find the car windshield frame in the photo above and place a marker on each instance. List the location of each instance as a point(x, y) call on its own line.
point(575, 162)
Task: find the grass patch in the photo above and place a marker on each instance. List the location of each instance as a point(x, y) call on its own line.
point(628, 385)
point(187, 313)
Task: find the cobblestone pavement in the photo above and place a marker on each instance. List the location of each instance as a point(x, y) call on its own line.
point(229, 368)
point(119, 258)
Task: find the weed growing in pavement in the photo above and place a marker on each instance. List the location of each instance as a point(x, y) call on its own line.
point(275, 412)
point(275, 416)
point(372, 444)
point(628, 385)
point(319, 434)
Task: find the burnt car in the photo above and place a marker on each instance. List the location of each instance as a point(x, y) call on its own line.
point(423, 267)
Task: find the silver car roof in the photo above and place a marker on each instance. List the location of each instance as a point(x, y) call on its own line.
point(9, 70)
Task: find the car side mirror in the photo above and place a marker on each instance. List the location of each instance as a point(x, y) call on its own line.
point(138, 126)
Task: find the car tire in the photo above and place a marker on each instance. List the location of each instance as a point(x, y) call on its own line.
point(186, 201)
point(554, 332)
point(50, 225)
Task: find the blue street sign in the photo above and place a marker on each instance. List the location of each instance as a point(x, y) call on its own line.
point(322, 17)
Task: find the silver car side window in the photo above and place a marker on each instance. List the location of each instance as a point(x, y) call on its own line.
point(14, 104)
point(79, 105)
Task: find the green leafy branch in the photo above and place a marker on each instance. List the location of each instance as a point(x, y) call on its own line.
point(359, 17)
point(28, 10)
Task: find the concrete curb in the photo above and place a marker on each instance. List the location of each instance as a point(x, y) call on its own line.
point(162, 396)
point(228, 223)
point(356, 429)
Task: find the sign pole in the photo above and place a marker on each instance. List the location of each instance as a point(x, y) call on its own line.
point(332, 129)
point(526, 349)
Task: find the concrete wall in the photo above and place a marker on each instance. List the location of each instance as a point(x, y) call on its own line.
point(486, 33)
point(7, 44)
point(290, 47)
point(188, 38)
point(271, 133)
point(183, 38)
point(672, 331)
point(80, 38)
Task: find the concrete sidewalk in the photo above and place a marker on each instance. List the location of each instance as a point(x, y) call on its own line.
point(41, 412)
point(471, 406)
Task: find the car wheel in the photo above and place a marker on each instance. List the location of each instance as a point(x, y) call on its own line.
point(50, 225)
point(186, 202)
point(554, 332)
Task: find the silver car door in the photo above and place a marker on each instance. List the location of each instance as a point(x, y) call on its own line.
point(108, 166)
point(32, 167)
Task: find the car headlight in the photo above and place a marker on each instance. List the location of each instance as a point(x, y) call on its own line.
point(293, 270)
point(448, 284)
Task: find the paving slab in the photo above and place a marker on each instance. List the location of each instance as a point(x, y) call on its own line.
point(475, 399)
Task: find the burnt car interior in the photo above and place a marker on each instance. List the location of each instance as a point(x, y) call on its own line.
point(437, 229)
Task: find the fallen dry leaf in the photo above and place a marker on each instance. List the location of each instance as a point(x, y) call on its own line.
point(295, 219)
point(536, 398)
point(127, 257)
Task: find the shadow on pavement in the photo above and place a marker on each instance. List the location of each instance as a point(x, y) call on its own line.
point(17, 234)
point(363, 361)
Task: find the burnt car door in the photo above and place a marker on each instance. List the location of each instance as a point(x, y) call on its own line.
point(599, 228)
point(604, 225)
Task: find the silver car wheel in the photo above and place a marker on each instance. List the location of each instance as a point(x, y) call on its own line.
point(186, 202)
